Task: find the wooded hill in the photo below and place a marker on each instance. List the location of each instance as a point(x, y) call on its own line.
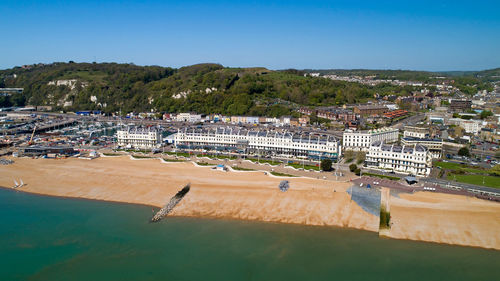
point(204, 88)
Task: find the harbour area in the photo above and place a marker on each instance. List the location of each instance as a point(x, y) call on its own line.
point(254, 195)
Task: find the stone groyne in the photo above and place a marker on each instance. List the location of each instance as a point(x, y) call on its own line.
point(171, 204)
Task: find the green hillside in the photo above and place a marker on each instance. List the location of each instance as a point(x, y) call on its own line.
point(204, 88)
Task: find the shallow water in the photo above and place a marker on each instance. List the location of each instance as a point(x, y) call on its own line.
point(46, 238)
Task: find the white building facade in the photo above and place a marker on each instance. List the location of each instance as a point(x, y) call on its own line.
point(435, 146)
point(361, 140)
point(415, 132)
point(188, 117)
point(413, 159)
point(263, 142)
point(139, 137)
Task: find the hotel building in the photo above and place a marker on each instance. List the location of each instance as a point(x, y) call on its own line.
point(435, 146)
point(263, 142)
point(139, 137)
point(361, 140)
point(415, 132)
point(412, 159)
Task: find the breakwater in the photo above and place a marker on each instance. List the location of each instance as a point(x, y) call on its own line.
point(171, 204)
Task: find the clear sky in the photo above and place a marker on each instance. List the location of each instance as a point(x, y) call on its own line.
point(418, 35)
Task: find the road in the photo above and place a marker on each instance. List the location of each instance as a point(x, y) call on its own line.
point(410, 121)
point(466, 186)
point(446, 184)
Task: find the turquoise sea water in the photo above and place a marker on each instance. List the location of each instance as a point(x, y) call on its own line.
point(45, 238)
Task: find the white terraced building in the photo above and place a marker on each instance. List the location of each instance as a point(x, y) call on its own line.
point(139, 137)
point(361, 140)
point(412, 159)
point(263, 142)
point(435, 146)
point(415, 132)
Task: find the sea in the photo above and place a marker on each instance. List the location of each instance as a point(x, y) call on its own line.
point(49, 238)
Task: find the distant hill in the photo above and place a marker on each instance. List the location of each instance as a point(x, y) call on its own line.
point(424, 76)
point(204, 88)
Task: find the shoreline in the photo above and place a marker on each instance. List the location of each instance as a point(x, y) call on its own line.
point(254, 196)
point(381, 236)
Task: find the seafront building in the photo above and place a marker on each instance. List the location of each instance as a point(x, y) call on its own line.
point(139, 137)
point(407, 159)
point(259, 141)
point(361, 140)
point(435, 146)
point(416, 132)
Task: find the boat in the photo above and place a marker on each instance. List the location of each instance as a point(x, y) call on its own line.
point(22, 183)
point(16, 184)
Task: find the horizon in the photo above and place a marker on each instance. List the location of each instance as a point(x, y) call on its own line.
point(280, 69)
point(318, 34)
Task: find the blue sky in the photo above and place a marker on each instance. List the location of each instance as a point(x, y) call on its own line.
point(418, 35)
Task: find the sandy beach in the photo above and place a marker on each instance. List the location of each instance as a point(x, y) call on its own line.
point(239, 195)
point(255, 196)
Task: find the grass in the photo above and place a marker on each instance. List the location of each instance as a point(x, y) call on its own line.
point(85, 75)
point(241, 169)
point(460, 167)
point(141, 156)
point(219, 157)
point(490, 181)
point(306, 167)
point(183, 154)
point(204, 164)
point(173, 160)
point(112, 154)
point(381, 176)
point(263, 161)
point(281, 174)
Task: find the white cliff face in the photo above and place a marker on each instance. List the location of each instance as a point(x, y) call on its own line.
point(71, 83)
point(209, 90)
point(181, 94)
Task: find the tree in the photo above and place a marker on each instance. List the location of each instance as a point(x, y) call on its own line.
point(464, 151)
point(353, 167)
point(485, 113)
point(348, 154)
point(495, 170)
point(357, 172)
point(326, 165)
point(360, 157)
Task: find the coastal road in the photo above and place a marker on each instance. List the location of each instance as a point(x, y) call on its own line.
point(469, 187)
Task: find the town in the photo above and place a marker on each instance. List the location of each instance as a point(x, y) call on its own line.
point(450, 143)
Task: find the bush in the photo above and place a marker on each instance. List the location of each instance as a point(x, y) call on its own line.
point(326, 165)
point(353, 167)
